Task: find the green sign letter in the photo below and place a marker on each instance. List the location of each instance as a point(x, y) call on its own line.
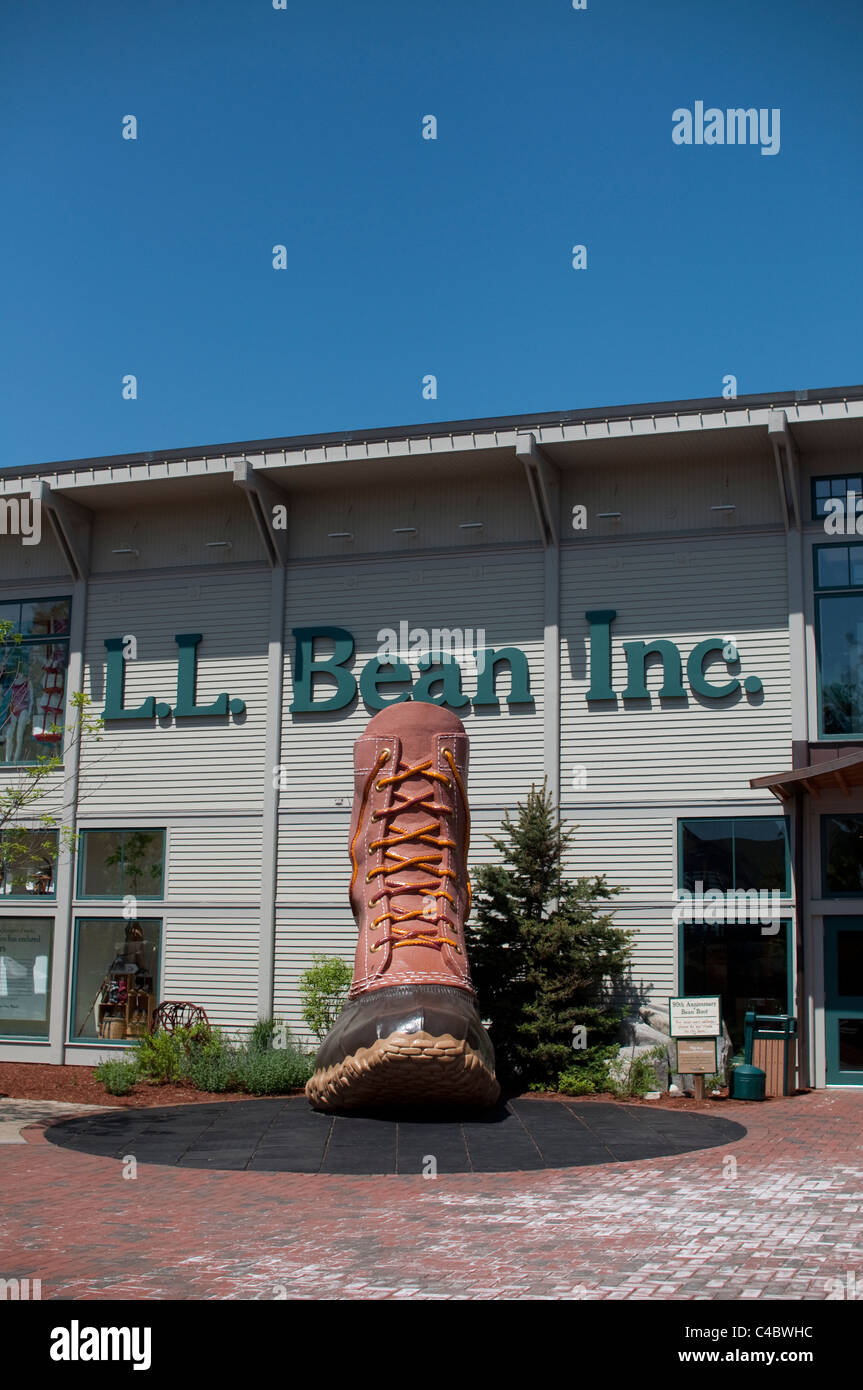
point(306, 667)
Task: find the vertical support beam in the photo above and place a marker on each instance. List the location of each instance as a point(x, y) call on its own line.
point(270, 819)
point(808, 953)
point(61, 954)
point(543, 480)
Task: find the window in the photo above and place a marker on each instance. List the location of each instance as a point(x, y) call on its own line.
point(34, 652)
point(27, 861)
point(119, 863)
point(839, 638)
point(740, 852)
point(823, 489)
point(745, 964)
point(25, 976)
point(842, 856)
point(115, 978)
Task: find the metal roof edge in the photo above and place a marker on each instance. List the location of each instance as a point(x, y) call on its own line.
point(439, 429)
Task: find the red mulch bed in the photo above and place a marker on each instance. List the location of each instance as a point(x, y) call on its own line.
point(41, 1081)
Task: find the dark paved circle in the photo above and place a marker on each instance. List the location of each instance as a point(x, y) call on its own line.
point(287, 1136)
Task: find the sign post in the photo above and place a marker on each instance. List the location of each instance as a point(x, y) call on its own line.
point(695, 1020)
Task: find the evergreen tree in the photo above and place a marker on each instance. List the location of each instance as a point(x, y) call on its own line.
point(542, 951)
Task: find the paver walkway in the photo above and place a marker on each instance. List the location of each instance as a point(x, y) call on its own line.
point(777, 1214)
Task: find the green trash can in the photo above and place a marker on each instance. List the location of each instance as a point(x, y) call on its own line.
point(770, 1043)
point(748, 1082)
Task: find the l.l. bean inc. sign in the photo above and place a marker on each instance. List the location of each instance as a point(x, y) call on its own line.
point(388, 677)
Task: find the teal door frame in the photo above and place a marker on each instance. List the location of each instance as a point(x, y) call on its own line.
point(838, 1006)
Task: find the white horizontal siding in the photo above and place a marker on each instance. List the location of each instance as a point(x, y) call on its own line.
point(732, 586)
point(201, 764)
point(636, 855)
point(299, 937)
point(214, 862)
point(213, 961)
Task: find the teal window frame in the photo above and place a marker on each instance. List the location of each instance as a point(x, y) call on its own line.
point(40, 1039)
point(845, 479)
point(81, 896)
point(33, 897)
point(826, 591)
point(102, 1043)
point(824, 818)
point(41, 639)
point(693, 820)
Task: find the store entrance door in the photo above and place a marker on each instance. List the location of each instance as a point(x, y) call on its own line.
point(843, 978)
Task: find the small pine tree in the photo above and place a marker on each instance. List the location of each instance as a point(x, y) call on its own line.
point(542, 952)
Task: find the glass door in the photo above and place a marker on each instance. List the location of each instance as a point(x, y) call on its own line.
point(843, 979)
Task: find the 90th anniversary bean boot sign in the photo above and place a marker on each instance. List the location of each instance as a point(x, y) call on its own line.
point(410, 1032)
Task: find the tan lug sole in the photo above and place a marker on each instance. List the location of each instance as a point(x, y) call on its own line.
point(405, 1069)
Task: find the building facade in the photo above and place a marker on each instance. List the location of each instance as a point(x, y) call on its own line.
point(653, 608)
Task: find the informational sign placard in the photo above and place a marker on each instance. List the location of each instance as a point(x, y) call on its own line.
point(696, 1056)
point(695, 1016)
point(25, 950)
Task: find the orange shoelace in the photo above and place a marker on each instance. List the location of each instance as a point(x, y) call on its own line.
point(433, 932)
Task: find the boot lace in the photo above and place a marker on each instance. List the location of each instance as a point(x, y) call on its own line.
point(426, 928)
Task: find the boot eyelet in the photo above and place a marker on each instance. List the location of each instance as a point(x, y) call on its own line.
point(375, 947)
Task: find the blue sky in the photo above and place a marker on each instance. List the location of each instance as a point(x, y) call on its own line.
point(405, 256)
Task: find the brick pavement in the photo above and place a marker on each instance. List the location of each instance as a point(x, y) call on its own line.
point(777, 1215)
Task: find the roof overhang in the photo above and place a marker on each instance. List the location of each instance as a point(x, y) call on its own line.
point(842, 774)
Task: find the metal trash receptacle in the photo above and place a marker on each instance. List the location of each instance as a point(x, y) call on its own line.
point(770, 1043)
point(747, 1082)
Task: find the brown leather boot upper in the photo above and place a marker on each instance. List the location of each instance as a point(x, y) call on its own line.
point(408, 843)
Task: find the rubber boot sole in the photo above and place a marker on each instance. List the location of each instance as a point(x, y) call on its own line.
point(405, 1069)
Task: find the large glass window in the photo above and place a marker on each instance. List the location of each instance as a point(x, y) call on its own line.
point(115, 978)
point(34, 650)
point(27, 862)
point(839, 637)
point(746, 965)
point(25, 976)
point(842, 857)
point(116, 863)
point(735, 852)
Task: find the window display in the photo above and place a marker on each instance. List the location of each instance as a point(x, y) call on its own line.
point(32, 678)
point(115, 863)
point(27, 860)
point(116, 977)
point(25, 976)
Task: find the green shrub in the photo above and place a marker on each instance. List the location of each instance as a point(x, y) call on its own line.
point(587, 1073)
point(117, 1077)
point(160, 1056)
point(208, 1062)
point(272, 1072)
point(640, 1077)
point(323, 990)
point(571, 1083)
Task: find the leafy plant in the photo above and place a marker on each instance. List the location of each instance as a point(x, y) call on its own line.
point(118, 1077)
point(639, 1077)
point(587, 1073)
point(272, 1072)
point(160, 1056)
point(323, 990)
point(542, 950)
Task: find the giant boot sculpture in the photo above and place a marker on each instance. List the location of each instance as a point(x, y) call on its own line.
point(410, 1032)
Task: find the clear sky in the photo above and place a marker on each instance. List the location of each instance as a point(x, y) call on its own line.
point(407, 256)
